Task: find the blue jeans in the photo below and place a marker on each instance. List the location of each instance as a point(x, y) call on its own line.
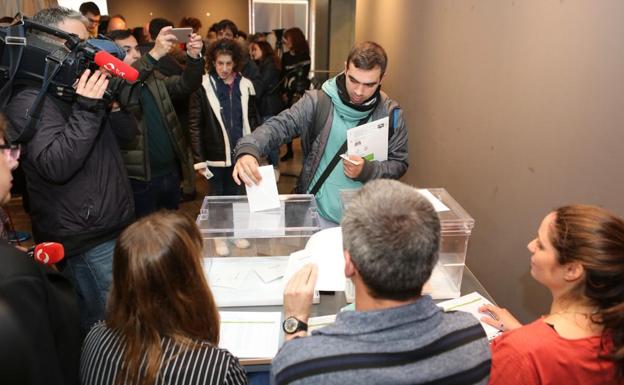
point(161, 192)
point(92, 274)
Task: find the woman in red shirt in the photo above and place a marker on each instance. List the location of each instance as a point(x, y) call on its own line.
point(579, 256)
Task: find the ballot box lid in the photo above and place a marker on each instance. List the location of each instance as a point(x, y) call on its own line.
point(453, 217)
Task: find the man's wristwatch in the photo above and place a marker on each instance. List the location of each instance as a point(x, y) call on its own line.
point(292, 325)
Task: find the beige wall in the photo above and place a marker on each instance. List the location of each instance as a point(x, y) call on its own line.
point(137, 12)
point(516, 108)
point(342, 32)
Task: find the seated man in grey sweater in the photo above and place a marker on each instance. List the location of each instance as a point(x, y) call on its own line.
point(391, 236)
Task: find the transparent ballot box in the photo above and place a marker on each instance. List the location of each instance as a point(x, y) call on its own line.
point(245, 252)
point(456, 227)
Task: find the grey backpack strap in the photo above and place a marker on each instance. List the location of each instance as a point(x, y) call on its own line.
point(320, 115)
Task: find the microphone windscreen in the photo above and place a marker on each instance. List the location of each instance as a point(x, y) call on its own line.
point(115, 66)
point(49, 253)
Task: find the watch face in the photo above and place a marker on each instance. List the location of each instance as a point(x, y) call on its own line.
point(290, 325)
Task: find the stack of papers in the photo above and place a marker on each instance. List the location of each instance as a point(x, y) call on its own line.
point(250, 334)
point(471, 303)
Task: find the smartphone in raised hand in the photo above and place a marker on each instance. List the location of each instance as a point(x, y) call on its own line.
point(182, 34)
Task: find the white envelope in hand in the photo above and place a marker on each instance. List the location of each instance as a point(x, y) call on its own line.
point(264, 196)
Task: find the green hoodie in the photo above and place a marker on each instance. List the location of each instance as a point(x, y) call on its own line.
point(344, 118)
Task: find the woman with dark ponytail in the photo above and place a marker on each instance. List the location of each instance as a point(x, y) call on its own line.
point(579, 256)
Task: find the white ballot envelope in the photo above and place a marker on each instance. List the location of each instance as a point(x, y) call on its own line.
point(370, 140)
point(264, 196)
point(324, 249)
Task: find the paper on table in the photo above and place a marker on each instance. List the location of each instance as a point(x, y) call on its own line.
point(325, 250)
point(253, 291)
point(264, 196)
point(471, 303)
point(269, 273)
point(369, 140)
point(228, 276)
point(250, 334)
point(437, 204)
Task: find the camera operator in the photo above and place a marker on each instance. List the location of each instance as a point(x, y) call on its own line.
point(75, 174)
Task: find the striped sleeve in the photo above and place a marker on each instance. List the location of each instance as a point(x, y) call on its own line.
point(100, 357)
point(197, 363)
point(235, 373)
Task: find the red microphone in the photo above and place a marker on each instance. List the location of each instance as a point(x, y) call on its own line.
point(115, 66)
point(49, 253)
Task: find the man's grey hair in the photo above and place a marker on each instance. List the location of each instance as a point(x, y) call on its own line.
point(393, 235)
point(52, 17)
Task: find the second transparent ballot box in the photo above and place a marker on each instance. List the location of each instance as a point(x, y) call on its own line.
point(244, 251)
point(456, 227)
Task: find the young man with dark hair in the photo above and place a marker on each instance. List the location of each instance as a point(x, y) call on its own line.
point(159, 158)
point(396, 335)
point(91, 11)
point(351, 98)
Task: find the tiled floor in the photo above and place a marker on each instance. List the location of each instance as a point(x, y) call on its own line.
point(289, 171)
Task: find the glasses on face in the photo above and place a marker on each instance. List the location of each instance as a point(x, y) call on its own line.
point(11, 151)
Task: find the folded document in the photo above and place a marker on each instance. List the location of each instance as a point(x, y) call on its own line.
point(324, 249)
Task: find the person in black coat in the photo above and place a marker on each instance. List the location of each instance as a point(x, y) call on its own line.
point(39, 322)
point(295, 71)
point(269, 102)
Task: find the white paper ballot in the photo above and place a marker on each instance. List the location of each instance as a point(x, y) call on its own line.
point(471, 303)
point(437, 204)
point(324, 249)
point(269, 273)
point(264, 196)
point(255, 290)
point(230, 276)
point(250, 334)
point(370, 140)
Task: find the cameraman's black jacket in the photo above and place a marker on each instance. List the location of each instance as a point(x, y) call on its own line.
point(80, 193)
